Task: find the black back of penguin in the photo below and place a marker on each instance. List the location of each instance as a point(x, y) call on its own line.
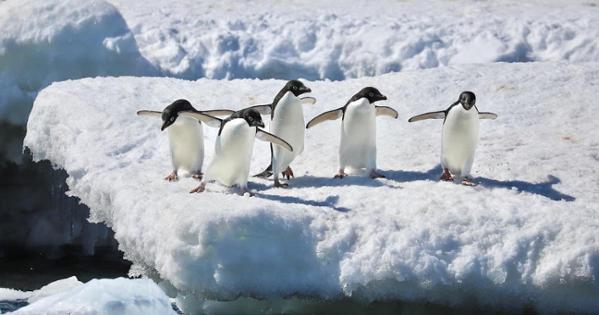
point(372, 94)
point(251, 116)
point(171, 112)
point(294, 86)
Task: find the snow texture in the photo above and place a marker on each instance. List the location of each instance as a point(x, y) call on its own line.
point(526, 236)
point(47, 290)
point(46, 41)
point(98, 296)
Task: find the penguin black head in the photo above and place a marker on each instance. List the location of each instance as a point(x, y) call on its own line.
point(171, 112)
point(296, 87)
point(252, 117)
point(467, 99)
point(370, 93)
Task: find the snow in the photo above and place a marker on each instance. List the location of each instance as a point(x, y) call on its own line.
point(55, 287)
point(47, 41)
point(98, 296)
point(525, 237)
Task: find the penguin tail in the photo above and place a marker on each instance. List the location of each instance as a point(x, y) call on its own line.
point(266, 173)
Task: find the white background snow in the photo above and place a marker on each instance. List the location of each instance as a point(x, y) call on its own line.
point(525, 236)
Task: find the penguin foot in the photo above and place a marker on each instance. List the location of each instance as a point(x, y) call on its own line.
point(199, 189)
point(281, 185)
point(468, 182)
point(340, 175)
point(446, 176)
point(198, 176)
point(375, 174)
point(288, 173)
point(172, 177)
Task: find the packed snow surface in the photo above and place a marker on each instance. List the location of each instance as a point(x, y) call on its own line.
point(98, 296)
point(526, 235)
point(46, 41)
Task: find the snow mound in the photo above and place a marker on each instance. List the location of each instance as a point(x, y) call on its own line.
point(332, 40)
point(46, 41)
point(100, 296)
point(55, 287)
point(525, 237)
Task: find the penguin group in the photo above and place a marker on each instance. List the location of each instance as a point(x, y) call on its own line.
point(237, 131)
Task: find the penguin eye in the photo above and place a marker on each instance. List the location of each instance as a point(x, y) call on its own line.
point(251, 118)
point(370, 94)
point(173, 118)
point(295, 87)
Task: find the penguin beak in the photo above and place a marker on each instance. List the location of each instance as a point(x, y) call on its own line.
point(165, 125)
point(382, 98)
point(305, 89)
point(260, 124)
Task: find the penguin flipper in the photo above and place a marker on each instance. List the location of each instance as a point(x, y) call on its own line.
point(309, 100)
point(219, 112)
point(262, 109)
point(269, 137)
point(207, 119)
point(149, 113)
point(432, 115)
point(487, 115)
point(386, 111)
point(330, 115)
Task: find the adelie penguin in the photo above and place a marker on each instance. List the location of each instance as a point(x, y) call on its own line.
point(287, 121)
point(459, 136)
point(358, 130)
point(186, 138)
point(234, 145)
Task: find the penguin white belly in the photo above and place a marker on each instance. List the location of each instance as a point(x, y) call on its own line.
point(232, 154)
point(460, 137)
point(288, 124)
point(186, 141)
point(358, 136)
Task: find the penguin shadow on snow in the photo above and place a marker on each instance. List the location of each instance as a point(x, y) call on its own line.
point(329, 202)
point(308, 181)
point(544, 189)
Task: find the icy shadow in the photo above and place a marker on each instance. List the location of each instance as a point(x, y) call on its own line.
point(412, 176)
point(358, 180)
point(544, 189)
point(329, 202)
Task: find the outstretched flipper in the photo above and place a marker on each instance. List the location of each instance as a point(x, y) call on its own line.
point(218, 112)
point(309, 100)
point(487, 115)
point(207, 119)
point(330, 115)
point(149, 113)
point(269, 137)
point(262, 109)
point(386, 111)
point(432, 115)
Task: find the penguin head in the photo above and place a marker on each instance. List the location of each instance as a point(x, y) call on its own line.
point(296, 87)
point(252, 117)
point(467, 99)
point(370, 93)
point(171, 112)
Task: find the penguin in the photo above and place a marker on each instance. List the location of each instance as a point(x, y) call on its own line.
point(287, 121)
point(358, 130)
point(233, 147)
point(186, 139)
point(459, 136)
